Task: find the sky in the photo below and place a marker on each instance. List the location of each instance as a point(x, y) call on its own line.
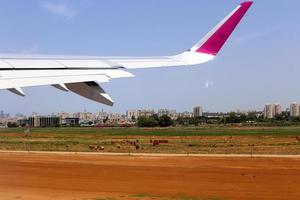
point(259, 64)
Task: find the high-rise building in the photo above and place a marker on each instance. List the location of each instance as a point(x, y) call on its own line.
point(278, 109)
point(198, 111)
point(294, 109)
point(271, 110)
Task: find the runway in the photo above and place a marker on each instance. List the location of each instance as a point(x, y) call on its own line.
point(92, 176)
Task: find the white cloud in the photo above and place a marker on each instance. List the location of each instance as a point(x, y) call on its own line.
point(59, 8)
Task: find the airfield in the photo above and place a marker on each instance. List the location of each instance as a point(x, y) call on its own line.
point(191, 163)
point(174, 140)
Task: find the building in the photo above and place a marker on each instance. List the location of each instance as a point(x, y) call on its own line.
point(186, 114)
point(171, 113)
point(294, 109)
point(63, 115)
point(269, 111)
point(101, 117)
point(132, 114)
point(23, 122)
point(70, 121)
point(114, 118)
point(44, 121)
point(278, 109)
point(198, 111)
point(146, 112)
point(85, 116)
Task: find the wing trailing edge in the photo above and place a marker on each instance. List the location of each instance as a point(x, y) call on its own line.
point(61, 87)
point(92, 91)
point(17, 91)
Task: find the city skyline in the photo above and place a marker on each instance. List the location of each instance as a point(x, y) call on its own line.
point(196, 110)
point(102, 118)
point(253, 57)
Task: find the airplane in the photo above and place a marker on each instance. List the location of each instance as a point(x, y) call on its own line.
point(82, 75)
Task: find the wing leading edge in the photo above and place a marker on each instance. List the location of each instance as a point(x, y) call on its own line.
point(80, 74)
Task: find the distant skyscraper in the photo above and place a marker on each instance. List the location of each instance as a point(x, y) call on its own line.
point(278, 109)
point(198, 111)
point(271, 110)
point(294, 109)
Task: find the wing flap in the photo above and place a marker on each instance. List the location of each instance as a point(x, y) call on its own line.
point(17, 91)
point(92, 91)
point(61, 87)
point(25, 78)
point(50, 80)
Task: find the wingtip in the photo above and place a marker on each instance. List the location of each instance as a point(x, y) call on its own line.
point(247, 3)
point(213, 42)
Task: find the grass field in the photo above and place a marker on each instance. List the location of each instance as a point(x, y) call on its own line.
point(260, 140)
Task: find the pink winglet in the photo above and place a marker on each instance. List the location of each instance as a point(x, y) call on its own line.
point(213, 45)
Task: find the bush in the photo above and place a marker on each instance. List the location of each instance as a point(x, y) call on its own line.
point(12, 125)
point(165, 121)
point(145, 121)
point(154, 120)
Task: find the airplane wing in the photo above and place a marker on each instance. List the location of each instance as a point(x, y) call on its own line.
point(82, 74)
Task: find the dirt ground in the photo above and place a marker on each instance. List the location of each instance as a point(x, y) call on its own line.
point(95, 177)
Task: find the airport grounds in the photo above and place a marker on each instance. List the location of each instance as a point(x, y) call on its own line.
point(206, 139)
point(210, 162)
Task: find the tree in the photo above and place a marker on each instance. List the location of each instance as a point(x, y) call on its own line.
point(182, 121)
point(243, 117)
point(165, 121)
point(133, 118)
point(146, 121)
point(252, 116)
point(233, 118)
point(105, 120)
point(12, 125)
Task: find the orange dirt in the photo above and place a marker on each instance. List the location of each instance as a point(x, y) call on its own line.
point(41, 176)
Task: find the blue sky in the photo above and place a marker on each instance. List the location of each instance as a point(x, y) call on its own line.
point(259, 64)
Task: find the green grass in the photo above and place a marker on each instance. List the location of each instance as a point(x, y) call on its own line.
point(214, 139)
point(173, 131)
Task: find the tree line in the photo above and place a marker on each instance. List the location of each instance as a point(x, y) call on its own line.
point(229, 118)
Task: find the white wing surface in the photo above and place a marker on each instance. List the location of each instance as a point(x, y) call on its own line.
point(81, 74)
